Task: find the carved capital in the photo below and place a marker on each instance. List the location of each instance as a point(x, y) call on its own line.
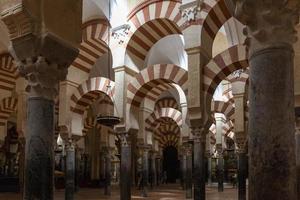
point(125, 139)
point(42, 75)
point(120, 33)
point(190, 10)
point(269, 23)
point(240, 140)
point(187, 149)
point(199, 134)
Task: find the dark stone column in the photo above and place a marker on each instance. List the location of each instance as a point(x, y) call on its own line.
point(270, 37)
point(158, 167)
point(209, 169)
point(199, 163)
point(220, 173)
point(153, 169)
point(70, 171)
point(145, 170)
point(242, 175)
point(39, 165)
point(183, 168)
point(107, 189)
point(125, 169)
point(189, 172)
point(298, 161)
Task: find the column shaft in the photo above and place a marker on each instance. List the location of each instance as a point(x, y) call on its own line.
point(125, 172)
point(107, 190)
point(298, 162)
point(271, 125)
point(153, 170)
point(39, 150)
point(242, 175)
point(70, 173)
point(220, 173)
point(189, 176)
point(199, 169)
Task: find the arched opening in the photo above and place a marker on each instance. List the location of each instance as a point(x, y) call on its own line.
point(171, 164)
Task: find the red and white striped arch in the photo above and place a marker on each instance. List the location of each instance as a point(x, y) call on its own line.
point(152, 77)
point(218, 13)
point(167, 102)
point(227, 131)
point(223, 107)
point(93, 45)
point(7, 107)
point(150, 22)
point(220, 67)
point(90, 91)
point(167, 134)
point(154, 119)
point(8, 72)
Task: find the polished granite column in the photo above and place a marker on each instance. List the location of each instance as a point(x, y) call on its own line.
point(43, 78)
point(183, 168)
point(189, 171)
point(70, 171)
point(107, 157)
point(145, 178)
point(125, 169)
point(153, 169)
point(199, 163)
point(297, 136)
point(220, 168)
point(158, 166)
point(270, 30)
point(242, 174)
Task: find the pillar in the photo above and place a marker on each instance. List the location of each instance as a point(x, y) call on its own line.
point(270, 37)
point(107, 189)
point(199, 163)
point(125, 169)
point(158, 167)
point(242, 174)
point(70, 171)
point(220, 172)
point(297, 137)
point(188, 173)
point(43, 76)
point(183, 168)
point(209, 169)
point(153, 169)
point(145, 175)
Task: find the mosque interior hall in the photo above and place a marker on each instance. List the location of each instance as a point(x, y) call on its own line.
point(149, 99)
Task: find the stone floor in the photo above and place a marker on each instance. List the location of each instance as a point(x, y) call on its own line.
point(166, 192)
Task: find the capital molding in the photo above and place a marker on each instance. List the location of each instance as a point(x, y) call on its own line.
point(269, 24)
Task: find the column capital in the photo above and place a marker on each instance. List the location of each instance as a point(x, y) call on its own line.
point(125, 139)
point(199, 134)
point(270, 24)
point(43, 76)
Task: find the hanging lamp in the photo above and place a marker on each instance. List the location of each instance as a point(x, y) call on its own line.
point(109, 120)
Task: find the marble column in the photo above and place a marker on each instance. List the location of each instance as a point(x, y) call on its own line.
point(209, 170)
point(158, 166)
point(125, 169)
point(183, 168)
point(199, 163)
point(270, 37)
point(220, 168)
point(153, 169)
point(107, 189)
point(242, 174)
point(145, 178)
point(297, 136)
point(43, 77)
point(189, 171)
point(70, 171)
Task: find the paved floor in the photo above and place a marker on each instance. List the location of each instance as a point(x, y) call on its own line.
point(166, 192)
